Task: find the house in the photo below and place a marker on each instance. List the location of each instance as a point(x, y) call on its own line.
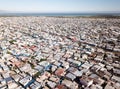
point(26, 81)
point(35, 85)
point(109, 46)
point(96, 79)
point(61, 86)
point(58, 64)
point(12, 85)
point(76, 56)
point(117, 65)
point(70, 60)
point(51, 84)
point(76, 63)
point(117, 48)
point(16, 77)
point(54, 78)
point(116, 85)
point(60, 72)
point(53, 68)
point(19, 87)
point(116, 71)
point(32, 72)
point(67, 55)
point(65, 65)
point(70, 84)
point(45, 64)
point(109, 67)
point(102, 65)
point(86, 65)
point(43, 77)
point(75, 71)
point(95, 68)
point(5, 68)
point(96, 86)
point(26, 67)
point(8, 79)
point(98, 58)
point(109, 86)
point(115, 78)
point(84, 56)
point(86, 81)
point(70, 76)
point(104, 73)
point(3, 82)
point(39, 68)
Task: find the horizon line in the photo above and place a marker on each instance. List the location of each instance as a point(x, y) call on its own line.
point(7, 11)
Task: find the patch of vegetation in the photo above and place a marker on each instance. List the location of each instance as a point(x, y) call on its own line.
point(32, 66)
point(12, 41)
point(60, 46)
point(27, 73)
point(14, 68)
point(43, 59)
point(37, 75)
point(32, 57)
point(8, 52)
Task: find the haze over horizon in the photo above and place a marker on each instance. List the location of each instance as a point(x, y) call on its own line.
point(55, 6)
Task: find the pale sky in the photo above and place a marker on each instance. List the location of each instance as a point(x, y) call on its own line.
point(60, 5)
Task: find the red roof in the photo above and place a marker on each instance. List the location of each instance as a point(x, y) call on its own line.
point(60, 72)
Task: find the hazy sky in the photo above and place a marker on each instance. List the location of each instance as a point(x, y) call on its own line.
point(60, 5)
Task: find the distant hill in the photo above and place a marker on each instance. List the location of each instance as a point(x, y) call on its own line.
point(4, 11)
